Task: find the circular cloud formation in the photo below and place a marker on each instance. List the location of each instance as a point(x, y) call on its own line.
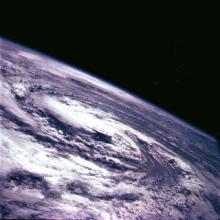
point(75, 147)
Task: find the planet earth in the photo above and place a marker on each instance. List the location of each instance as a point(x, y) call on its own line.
point(76, 147)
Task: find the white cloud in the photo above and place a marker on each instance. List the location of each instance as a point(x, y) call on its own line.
point(9, 102)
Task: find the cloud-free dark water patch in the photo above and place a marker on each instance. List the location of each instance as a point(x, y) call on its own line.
point(98, 136)
point(27, 179)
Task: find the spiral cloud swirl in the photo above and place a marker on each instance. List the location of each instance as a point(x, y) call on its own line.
point(75, 147)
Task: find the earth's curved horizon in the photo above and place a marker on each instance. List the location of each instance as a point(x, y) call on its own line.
point(76, 147)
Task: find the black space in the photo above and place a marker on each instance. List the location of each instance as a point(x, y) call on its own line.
point(164, 52)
